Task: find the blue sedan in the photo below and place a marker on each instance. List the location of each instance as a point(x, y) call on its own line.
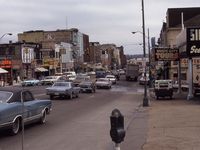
point(18, 106)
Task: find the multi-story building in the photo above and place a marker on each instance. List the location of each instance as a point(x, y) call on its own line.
point(168, 36)
point(48, 41)
point(20, 59)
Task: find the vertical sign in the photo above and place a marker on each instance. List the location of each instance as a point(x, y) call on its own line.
point(193, 42)
point(27, 54)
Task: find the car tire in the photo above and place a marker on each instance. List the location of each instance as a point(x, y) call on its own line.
point(43, 118)
point(71, 96)
point(51, 97)
point(15, 127)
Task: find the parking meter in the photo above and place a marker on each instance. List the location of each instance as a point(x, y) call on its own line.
point(117, 131)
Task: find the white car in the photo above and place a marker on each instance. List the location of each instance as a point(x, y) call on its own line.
point(103, 83)
point(112, 78)
point(50, 80)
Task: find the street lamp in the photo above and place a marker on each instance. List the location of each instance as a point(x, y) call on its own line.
point(145, 99)
point(5, 35)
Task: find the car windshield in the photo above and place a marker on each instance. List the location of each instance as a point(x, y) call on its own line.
point(5, 96)
point(61, 84)
point(110, 77)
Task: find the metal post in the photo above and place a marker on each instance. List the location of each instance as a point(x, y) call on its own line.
point(117, 146)
point(190, 80)
point(149, 60)
point(145, 99)
point(179, 76)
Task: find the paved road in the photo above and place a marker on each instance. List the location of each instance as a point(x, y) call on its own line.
point(81, 123)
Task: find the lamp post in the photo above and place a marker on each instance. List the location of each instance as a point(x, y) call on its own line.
point(145, 99)
point(5, 35)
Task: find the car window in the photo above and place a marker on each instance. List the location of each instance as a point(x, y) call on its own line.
point(27, 96)
point(5, 96)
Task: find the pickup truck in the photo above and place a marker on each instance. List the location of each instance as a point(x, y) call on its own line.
point(63, 89)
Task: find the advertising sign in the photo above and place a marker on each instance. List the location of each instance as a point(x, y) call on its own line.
point(166, 54)
point(193, 42)
point(27, 54)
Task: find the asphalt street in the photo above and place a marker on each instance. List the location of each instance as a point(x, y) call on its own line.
point(84, 122)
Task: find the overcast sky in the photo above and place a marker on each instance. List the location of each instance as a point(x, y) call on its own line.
point(105, 21)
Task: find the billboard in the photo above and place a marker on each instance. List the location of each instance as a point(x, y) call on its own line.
point(166, 54)
point(193, 42)
point(27, 54)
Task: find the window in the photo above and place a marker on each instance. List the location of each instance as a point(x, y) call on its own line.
point(27, 96)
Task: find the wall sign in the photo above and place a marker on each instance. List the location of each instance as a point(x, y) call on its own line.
point(193, 42)
point(166, 54)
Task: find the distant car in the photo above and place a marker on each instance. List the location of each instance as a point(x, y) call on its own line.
point(66, 89)
point(103, 83)
point(17, 101)
point(112, 78)
point(80, 78)
point(31, 82)
point(143, 80)
point(87, 86)
point(71, 77)
point(50, 80)
point(163, 88)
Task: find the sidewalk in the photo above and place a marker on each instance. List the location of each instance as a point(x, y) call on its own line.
point(173, 124)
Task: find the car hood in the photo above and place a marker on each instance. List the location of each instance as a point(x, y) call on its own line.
point(101, 82)
point(57, 88)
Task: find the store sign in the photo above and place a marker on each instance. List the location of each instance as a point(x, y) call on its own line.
point(27, 54)
point(166, 54)
point(5, 63)
point(193, 42)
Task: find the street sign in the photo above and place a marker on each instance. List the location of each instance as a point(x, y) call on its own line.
point(166, 54)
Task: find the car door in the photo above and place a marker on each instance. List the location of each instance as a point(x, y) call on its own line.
point(30, 106)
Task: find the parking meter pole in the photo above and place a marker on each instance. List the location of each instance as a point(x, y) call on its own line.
point(117, 146)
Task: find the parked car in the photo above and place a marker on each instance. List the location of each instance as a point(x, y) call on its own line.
point(87, 86)
point(142, 79)
point(14, 102)
point(103, 83)
point(66, 89)
point(50, 80)
point(112, 78)
point(163, 88)
point(30, 82)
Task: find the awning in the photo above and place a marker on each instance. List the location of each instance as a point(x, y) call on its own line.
point(3, 70)
point(40, 69)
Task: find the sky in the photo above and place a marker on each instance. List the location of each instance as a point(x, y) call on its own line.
point(105, 21)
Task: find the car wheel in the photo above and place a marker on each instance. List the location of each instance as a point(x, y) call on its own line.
point(51, 97)
point(77, 95)
point(71, 96)
point(15, 127)
point(43, 118)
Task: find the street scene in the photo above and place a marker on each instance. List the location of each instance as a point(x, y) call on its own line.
point(99, 75)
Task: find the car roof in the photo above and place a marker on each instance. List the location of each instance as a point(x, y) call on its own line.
point(15, 90)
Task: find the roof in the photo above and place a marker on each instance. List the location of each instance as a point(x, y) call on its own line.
point(174, 15)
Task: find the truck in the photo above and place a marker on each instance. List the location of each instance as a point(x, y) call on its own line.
point(132, 72)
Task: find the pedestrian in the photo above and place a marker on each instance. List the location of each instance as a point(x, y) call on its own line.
point(18, 79)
